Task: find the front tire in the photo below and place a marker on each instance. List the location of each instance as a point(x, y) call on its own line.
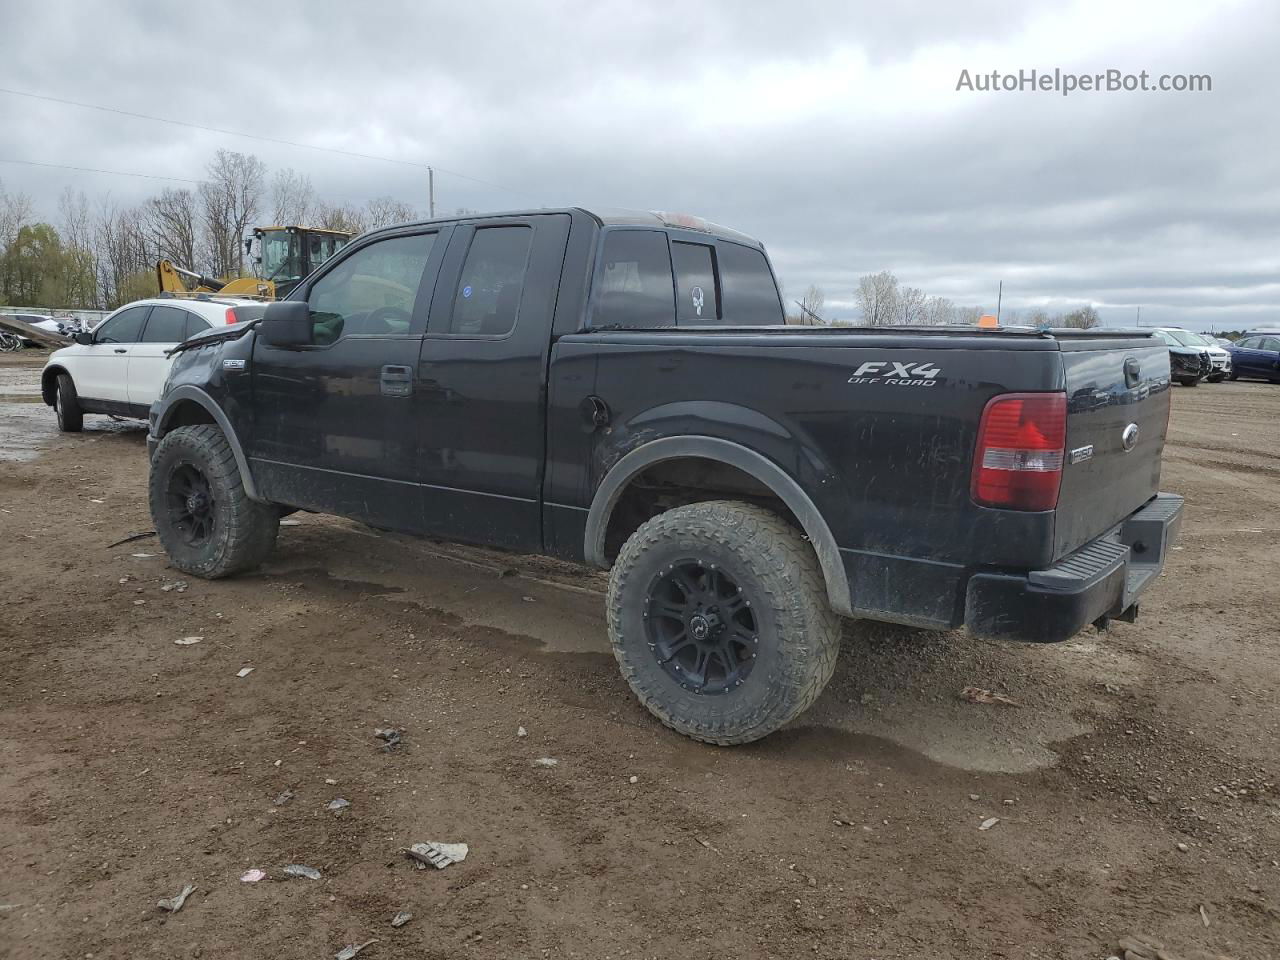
point(66, 404)
point(719, 620)
point(206, 522)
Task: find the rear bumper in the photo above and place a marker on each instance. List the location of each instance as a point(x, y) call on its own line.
point(1102, 579)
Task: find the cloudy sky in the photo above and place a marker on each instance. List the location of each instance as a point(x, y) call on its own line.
point(833, 131)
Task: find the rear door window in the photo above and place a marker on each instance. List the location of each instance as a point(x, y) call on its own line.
point(697, 300)
point(634, 287)
point(166, 325)
point(748, 294)
point(124, 327)
point(1271, 343)
point(487, 300)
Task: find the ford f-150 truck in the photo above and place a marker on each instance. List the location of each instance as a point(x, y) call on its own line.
point(622, 389)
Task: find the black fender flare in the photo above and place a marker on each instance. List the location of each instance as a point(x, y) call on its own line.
point(162, 413)
point(735, 455)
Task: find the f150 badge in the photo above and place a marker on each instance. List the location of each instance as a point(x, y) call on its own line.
point(894, 374)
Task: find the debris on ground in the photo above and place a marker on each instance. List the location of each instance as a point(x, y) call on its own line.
point(546, 762)
point(131, 538)
point(244, 672)
point(1142, 947)
point(253, 876)
point(351, 949)
point(290, 523)
point(338, 804)
point(1204, 915)
point(187, 641)
point(298, 870)
point(521, 732)
point(437, 854)
point(389, 735)
point(975, 797)
point(179, 585)
point(174, 904)
point(142, 556)
point(988, 823)
point(982, 695)
point(284, 798)
point(633, 780)
point(401, 918)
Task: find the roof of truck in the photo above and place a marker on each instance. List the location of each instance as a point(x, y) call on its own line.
point(607, 217)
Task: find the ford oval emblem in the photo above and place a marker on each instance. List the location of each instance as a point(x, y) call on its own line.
point(1129, 439)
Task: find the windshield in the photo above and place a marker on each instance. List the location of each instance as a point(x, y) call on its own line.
point(280, 259)
point(1182, 338)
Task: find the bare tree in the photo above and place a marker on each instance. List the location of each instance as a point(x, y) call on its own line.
point(293, 198)
point(80, 265)
point(877, 295)
point(341, 217)
point(384, 211)
point(1039, 317)
point(938, 311)
point(172, 221)
point(1082, 318)
point(911, 305)
point(811, 307)
point(16, 212)
point(125, 256)
point(231, 199)
point(969, 315)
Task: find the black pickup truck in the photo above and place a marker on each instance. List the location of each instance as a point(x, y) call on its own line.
point(621, 389)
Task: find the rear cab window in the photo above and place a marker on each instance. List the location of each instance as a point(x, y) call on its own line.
point(653, 278)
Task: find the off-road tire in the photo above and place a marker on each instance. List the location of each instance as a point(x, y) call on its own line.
point(243, 530)
point(66, 404)
point(799, 634)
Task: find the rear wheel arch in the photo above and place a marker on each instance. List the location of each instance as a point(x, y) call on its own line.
point(764, 480)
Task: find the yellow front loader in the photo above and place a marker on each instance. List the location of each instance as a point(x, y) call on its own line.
point(285, 255)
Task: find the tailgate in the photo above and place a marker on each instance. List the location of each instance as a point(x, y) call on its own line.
point(1117, 416)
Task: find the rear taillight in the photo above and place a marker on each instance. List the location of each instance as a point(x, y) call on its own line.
point(231, 314)
point(1018, 461)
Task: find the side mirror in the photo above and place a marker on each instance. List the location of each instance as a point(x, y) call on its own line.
point(287, 323)
point(84, 338)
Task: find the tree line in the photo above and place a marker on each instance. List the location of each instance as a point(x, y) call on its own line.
point(99, 254)
point(884, 301)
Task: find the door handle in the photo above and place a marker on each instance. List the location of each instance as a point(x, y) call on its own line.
point(397, 380)
point(120, 350)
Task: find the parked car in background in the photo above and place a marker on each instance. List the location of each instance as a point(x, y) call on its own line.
point(1219, 358)
point(1223, 342)
point(120, 367)
point(1189, 361)
point(1256, 355)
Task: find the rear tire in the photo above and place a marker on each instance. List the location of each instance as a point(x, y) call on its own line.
point(206, 522)
point(66, 404)
point(719, 620)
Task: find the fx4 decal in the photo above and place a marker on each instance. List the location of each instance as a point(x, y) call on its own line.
point(893, 373)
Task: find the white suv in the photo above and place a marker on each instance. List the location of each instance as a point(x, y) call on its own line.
point(121, 367)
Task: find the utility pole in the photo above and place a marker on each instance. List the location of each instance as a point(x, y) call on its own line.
point(431, 192)
point(999, 301)
point(1138, 320)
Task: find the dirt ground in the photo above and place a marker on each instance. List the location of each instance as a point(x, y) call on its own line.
point(1135, 787)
